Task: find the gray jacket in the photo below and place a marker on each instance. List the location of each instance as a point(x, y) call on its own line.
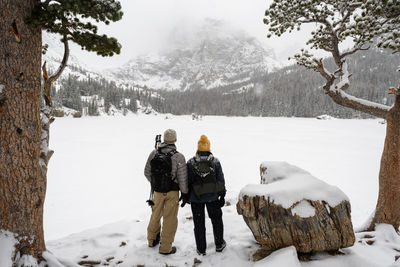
point(179, 170)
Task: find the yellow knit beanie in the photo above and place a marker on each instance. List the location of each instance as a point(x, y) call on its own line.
point(203, 144)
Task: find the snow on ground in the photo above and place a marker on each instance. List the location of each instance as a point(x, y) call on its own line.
point(96, 178)
point(282, 257)
point(7, 243)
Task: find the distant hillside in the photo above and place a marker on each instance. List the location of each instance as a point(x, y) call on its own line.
point(292, 91)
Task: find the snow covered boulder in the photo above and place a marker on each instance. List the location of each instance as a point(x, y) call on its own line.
point(292, 208)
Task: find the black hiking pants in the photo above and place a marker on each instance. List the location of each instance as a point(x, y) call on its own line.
point(215, 213)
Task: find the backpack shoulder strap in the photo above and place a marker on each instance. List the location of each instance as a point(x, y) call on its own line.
point(159, 151)
point(171, 153)
point(191, 161)
point(197, 158)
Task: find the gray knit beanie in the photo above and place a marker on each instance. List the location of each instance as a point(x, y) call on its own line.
point(170, 136)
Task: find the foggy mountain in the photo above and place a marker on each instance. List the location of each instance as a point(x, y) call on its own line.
point(205, 56)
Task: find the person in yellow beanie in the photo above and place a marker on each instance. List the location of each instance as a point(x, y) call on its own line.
point(204, 144)
point(206, 190)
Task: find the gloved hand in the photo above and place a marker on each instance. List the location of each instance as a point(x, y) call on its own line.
point(221, 201)
point(185, 199)
point(221, 198)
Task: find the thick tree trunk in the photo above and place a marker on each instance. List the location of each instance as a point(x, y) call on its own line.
point(388, 206)
point(22, 183)
point(276, 227)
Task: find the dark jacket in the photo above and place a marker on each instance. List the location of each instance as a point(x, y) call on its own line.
point(179, 174)
point(218, 172)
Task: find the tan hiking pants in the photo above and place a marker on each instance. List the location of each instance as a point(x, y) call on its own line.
point(165, 205)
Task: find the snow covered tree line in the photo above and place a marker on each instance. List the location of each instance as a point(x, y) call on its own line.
point(90, 94)
point(291, 91)
point(287, 92)
point(363, 21)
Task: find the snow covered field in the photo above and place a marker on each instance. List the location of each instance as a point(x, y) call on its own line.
point(96, 178)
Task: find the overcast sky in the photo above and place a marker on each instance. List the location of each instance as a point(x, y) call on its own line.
point(146, 23)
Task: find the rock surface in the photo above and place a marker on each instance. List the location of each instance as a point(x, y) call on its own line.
point(310, 224)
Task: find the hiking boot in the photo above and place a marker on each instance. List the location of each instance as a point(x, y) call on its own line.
point(156, 241)
point(221, 247)
point(173, 251)
point(201, 253)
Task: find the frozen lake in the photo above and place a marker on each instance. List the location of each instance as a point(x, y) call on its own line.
point(96, 174)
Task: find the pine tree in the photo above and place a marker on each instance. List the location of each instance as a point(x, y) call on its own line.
point(93, 108)
point(25, 127)
point(133, 105)
point(107, 101)
point(363, 21)
point(70, 95)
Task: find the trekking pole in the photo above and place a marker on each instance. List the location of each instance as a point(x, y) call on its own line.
point(150, 201)
point(158, 141)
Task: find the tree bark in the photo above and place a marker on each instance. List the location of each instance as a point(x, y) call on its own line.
point(388, 206)
point(22, 185)
point(276, 227)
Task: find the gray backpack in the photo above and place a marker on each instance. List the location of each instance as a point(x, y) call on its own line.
point(204, 182)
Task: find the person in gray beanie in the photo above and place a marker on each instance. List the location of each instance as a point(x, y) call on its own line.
point(166, 171)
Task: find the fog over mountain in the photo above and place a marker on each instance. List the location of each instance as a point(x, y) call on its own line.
point(209, 55)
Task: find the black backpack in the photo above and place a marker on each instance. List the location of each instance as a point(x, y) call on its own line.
point(161, 172)
point(205, 181)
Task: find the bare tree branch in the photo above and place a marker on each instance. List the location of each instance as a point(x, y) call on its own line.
point(63, 63)
point(46, 112)
point(353, 50)
point(49, 81)
point(321, 69)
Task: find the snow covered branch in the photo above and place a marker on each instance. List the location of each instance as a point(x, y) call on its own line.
point(337, 92)
point(342, 98)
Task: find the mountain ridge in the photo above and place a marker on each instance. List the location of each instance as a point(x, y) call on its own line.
point(213, 54)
